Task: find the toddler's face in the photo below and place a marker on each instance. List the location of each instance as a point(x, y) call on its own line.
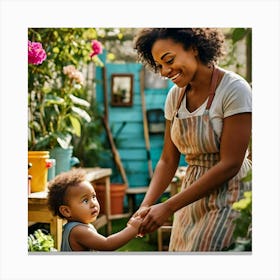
point(82, 202)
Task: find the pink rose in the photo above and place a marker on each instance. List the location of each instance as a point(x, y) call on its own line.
point(96, 48)
point(73, 73)
point(36, 53)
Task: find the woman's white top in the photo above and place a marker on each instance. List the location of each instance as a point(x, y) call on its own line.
point(233, 96)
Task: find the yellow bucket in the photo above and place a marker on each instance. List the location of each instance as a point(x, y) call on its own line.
point(39, 170)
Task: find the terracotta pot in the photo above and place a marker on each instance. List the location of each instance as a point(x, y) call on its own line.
point(117, 193)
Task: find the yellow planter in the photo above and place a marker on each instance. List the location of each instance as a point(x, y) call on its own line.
point(39, 170)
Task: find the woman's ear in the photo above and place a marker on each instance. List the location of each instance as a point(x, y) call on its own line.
point(65, 211)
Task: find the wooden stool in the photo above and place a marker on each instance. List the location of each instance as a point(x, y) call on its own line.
point(160, 231)
point(131, 196)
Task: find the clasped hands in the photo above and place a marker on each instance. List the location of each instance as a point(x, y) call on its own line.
point(150, 218)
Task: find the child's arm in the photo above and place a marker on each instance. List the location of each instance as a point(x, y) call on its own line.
point(87, 238)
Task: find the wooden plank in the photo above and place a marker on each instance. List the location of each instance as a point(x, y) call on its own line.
point(138, 179)
point(116, 156)
point(94, 174)
point(135, 165)
point(145, 124)
point(130, 127)
point(136, 154)
point(121, 114)
point(133, 142)
point(136, 190)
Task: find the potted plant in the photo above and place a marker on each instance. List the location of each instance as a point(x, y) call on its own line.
point(40, 241)
point(57, 101)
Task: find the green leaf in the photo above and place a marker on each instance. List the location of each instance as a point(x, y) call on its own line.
point(238, 34)
point(52, 99)
point(40, 241)
point(248, 177)
point(76, 125)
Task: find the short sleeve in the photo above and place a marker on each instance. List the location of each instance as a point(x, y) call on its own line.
point(238, 98)
point(170, 102)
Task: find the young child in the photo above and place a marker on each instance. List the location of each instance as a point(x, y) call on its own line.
point(73, 198)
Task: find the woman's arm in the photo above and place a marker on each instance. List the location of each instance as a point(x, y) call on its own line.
point(234, 143)
point(164, 171)
point(84, 237)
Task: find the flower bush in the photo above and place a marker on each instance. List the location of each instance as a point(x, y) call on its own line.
point(58, 100)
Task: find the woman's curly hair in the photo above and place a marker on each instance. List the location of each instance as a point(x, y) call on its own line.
point(208, 41)
point(59, 185)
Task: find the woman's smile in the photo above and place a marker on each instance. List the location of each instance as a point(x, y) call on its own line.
point(174, 78)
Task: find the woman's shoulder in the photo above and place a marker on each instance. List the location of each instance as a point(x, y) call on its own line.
point(232, 80)
point(174, 90)
point(173, 94)
point(171, 101)
point(234, 94)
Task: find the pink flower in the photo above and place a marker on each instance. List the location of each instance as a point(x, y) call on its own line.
point(73, 73)
point(36, 53)
point(96, 48)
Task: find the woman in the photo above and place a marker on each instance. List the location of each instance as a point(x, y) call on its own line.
point(208, 119)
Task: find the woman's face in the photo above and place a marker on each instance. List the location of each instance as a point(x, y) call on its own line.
point(82, 203)
point(174, 62)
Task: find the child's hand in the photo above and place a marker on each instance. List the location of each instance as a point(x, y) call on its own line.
point(135, 222)
point(142, 211)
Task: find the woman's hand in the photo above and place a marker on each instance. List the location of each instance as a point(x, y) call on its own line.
point(154, 218)
point(142, 211)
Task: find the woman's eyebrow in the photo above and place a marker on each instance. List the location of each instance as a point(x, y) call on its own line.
point(163, 56)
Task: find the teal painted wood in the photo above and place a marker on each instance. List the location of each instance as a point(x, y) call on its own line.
point(126, 124)
point(128, 127)
point(137, 155)
point(125, 114)
point(138, 180)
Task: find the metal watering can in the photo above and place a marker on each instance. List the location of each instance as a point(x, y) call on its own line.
point(64, 160)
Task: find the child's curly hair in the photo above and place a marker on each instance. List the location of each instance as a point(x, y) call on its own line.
point(208, 41)
point(59, 185)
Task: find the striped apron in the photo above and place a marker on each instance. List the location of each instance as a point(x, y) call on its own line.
point(206, 224)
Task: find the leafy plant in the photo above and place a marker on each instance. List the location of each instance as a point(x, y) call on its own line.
point(39, 241)
point(90, 147)
point(243, 230)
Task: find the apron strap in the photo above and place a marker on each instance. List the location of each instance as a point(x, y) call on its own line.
point(214, 80)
